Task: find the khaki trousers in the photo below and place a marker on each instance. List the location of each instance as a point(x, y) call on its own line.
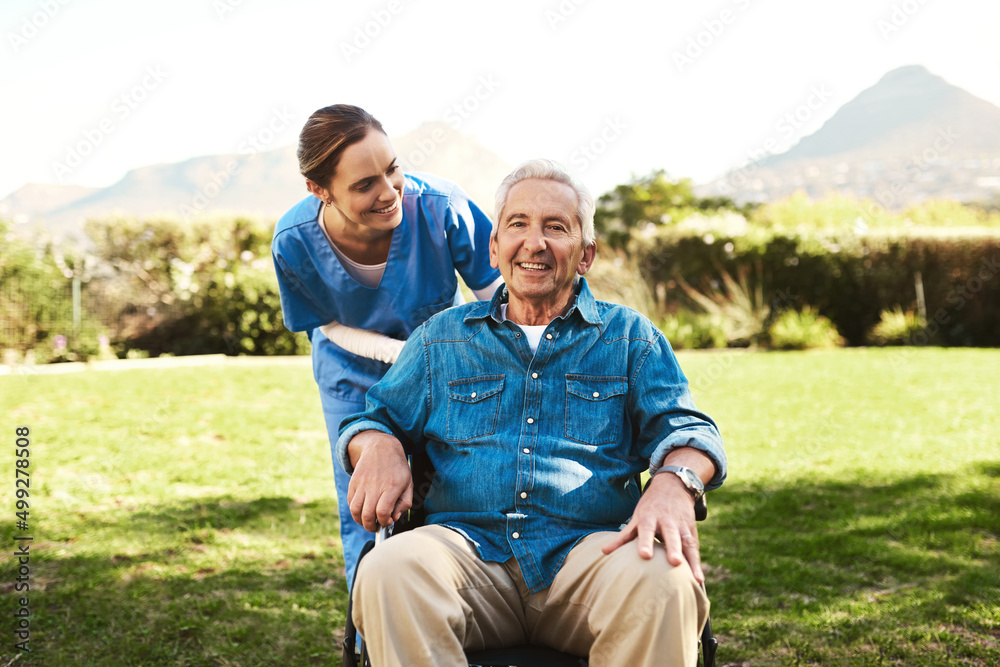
point(424, 597)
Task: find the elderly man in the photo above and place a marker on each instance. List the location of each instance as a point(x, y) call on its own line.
point(537, 410)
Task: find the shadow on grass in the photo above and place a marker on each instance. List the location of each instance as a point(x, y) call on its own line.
point(224, 514)
point(810, 573)
point(218, 582)
point(900, 569)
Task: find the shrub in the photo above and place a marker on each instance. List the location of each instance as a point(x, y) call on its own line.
point(195, 288)
point(236, 310)
point(738, 307)
point(801, 330)
point(617, 278)
point(896, 327)
point(694, 331)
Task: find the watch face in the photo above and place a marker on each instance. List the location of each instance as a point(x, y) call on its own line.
point(693, 480)
point(690, 480)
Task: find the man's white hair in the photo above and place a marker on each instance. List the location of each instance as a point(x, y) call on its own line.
point(552, 171)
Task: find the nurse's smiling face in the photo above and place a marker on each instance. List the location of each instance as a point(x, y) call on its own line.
point(367, 187)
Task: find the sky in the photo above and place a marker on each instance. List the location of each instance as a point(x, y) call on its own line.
point(613, 90)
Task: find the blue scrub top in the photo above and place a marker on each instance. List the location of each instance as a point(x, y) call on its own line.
point(441, 231)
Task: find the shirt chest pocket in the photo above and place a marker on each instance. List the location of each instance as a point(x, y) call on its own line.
point(473, 406)
point(595, 408)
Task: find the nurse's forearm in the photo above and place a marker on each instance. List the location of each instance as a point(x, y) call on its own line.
point(486, 293)
point(363, 343)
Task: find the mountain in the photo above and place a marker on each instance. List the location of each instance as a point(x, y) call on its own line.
point(263, 184)
point(436, 148)
point(912, 136)
point(27, 202)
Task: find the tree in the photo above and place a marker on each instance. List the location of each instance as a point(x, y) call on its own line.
point(650, 200)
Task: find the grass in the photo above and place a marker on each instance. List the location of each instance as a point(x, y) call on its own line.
point(187, 516)
point(181, 516)
point(859, 525)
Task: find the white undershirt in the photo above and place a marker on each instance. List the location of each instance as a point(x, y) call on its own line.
point(369, 275)
point(533, 332)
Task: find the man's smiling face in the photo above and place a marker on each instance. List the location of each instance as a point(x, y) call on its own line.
point(538, 246)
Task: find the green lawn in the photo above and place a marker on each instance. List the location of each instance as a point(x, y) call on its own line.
point(186, 516)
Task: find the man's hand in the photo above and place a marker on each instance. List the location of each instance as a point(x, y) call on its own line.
point(381, 486)
point(666, 511)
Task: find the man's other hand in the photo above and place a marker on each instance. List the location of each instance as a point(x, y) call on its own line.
point(666, 511)
point(381, 487)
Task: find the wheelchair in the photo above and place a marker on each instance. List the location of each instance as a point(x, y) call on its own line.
point(355, 655)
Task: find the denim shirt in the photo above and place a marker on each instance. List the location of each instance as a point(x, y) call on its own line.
point(535, 451)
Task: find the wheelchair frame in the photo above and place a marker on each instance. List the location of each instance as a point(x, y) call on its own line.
point(355, 655)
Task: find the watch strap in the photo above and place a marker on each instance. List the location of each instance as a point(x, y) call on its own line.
point(689, 478)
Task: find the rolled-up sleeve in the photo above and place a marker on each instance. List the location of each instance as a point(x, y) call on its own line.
point(664, 414)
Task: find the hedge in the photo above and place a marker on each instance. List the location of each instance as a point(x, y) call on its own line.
point(208, 286)
point(848, 277)
point(166, 287)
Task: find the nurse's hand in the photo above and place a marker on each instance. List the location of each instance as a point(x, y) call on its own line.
point(381, 486)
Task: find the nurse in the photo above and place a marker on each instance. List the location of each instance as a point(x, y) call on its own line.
point(364, 260)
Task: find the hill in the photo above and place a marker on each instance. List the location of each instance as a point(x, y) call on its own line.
point(263, 184)
point(910, 137)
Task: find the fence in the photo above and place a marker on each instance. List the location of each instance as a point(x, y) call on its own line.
point(48, 317)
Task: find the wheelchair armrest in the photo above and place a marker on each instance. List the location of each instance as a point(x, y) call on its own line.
point(700, 509)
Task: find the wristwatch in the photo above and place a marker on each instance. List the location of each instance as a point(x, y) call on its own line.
point(689, 478)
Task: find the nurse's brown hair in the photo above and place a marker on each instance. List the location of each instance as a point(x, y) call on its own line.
point(325, 136)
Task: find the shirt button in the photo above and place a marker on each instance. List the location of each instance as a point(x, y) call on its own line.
point(517, 335)
point(549, 336)
point(515, 535)
point(530, 420)
point(524, 495)
point(526, 450)
point(534, 376)
point(596, 394)
point(474, 395)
